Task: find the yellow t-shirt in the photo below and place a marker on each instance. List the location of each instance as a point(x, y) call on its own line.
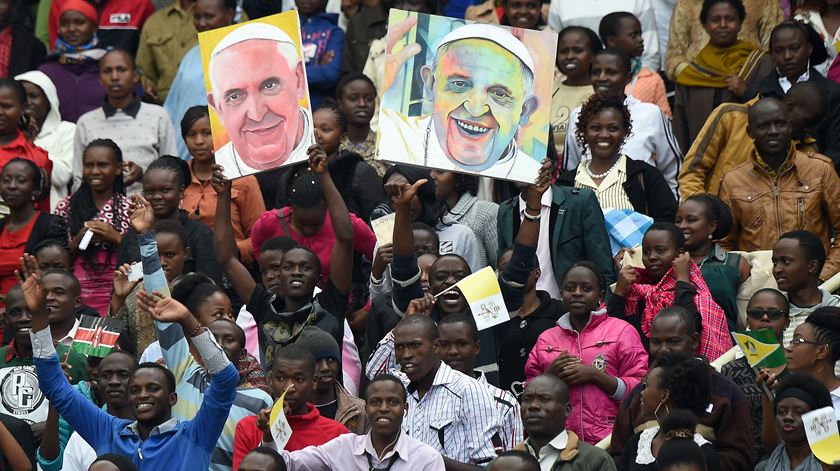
point(563, 100)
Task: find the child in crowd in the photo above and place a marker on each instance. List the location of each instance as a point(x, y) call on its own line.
point(522, 14)
point(623, 30)
point(293, 377)
point(798, 259)
point(322, 46)
point(599, 357)
point(53, 254)
point(99, 206)
point(356, 96)
point(669, 278)
point(173, 250)
point(572, 81)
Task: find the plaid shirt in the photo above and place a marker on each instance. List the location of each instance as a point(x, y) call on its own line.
point(510, 431)
point(715, 339)
point(5, 50)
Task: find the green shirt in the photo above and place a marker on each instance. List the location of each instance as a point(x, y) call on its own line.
point(721, 271)
point(166, 36)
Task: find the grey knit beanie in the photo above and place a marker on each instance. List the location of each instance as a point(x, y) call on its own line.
point(319, 343)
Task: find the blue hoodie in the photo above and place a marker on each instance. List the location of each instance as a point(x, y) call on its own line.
point(320, 34)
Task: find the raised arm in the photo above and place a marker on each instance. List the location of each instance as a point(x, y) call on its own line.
point(405, 273)
point(92, 423)
point(341, 263)
point(224, 242)
point(210, 419)
point(13, 451)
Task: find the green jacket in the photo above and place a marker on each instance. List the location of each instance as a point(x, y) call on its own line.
point(576, 230)
point(577, 456)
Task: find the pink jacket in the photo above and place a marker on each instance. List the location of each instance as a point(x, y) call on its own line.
point(606, 343)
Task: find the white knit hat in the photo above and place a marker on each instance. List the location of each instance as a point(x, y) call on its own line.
point(493, 33)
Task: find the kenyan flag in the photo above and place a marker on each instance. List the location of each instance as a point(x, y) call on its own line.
point(97, 336)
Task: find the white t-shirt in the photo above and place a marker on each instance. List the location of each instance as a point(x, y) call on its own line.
point(78, 455)
point(835, 399)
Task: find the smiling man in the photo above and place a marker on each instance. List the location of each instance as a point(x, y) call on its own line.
point(481, 86)
point(767, 194)
point(386, 446)
point(258, 79)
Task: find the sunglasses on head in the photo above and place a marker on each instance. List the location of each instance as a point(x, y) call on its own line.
point(758, 314)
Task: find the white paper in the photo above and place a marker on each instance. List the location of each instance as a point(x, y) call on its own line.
point(383, 228)
point(135, 273)
point(281, 431)
point(821, 430)
point(83, 244)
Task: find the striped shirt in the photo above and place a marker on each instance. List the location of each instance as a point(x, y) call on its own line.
point(457, 416)
point(191, 379)
point(610, 192)
point(507, 406)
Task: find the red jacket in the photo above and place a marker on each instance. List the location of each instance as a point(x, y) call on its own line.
point(307, 429)
point(20, 147)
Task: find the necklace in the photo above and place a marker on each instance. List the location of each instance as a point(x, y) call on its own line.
point(598, 176)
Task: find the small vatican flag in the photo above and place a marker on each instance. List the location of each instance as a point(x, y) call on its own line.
point(281, 431)
point(481, 289)
point(823, 438)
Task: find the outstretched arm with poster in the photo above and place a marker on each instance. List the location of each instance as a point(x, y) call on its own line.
point(257, 90)
point(466, 97)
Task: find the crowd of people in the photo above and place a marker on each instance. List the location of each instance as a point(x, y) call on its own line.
point(690, 190)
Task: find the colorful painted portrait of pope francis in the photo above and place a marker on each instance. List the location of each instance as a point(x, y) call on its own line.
point(257, 91)
point(466, 97)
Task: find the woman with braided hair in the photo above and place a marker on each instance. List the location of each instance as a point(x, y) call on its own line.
point(99, 206)
point(618, 181)
point(676, 391)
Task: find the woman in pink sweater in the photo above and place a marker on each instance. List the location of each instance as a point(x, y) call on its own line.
point(599, 357)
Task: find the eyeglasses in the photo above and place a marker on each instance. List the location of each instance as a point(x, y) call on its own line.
point(796, 341)
point(772, 314)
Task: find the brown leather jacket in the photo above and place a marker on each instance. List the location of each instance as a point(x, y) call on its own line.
point(807, 196)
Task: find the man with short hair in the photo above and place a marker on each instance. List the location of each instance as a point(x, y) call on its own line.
point(674, 329)
point(449, 411)
point(155, 438)
point(723, 143)
point(780, 188)
point(475, 115)
point(545, 405)
point(515, 460)
point(386, 446)
point(458, 346)
point(257, 80)
point(293, 374)
point(143, 131)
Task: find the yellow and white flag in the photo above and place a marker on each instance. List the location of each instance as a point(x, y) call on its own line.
point(281, 431)
point(481, 289)
point(823, 438)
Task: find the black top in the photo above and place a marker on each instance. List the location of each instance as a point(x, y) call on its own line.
point(519, 335)
point(27, 52)
point(202, 258)
point(278, 327)
point(646, 189)
point(628, 458)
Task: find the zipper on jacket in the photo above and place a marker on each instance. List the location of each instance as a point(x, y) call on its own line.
point(801, 202)
point(580, 409)
point(776, 203)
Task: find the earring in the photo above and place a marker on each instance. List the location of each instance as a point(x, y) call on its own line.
point(656, 411)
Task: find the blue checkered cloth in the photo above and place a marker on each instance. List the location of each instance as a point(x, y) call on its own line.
point(625, 227)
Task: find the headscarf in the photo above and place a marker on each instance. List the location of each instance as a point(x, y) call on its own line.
point(714, 340)
point(713, 64)
point(69, 54)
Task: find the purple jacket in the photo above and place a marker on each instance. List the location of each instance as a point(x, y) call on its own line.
point(79, 90)
point(606, 343)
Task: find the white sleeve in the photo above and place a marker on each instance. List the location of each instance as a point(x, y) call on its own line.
point(554, 20)
point(571, 151)
point(78, 455)
point(651, 57)
point(79, 142)
point(668, 155)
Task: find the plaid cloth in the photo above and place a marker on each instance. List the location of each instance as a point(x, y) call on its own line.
point(625, 227)
point(715, 339)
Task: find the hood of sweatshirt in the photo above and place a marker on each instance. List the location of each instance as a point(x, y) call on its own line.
point(41, 80)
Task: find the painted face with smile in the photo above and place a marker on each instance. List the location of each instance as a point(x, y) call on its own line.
point(480, 99)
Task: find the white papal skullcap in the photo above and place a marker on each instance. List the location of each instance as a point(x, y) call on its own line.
point(493, 33)
point(252, 31)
